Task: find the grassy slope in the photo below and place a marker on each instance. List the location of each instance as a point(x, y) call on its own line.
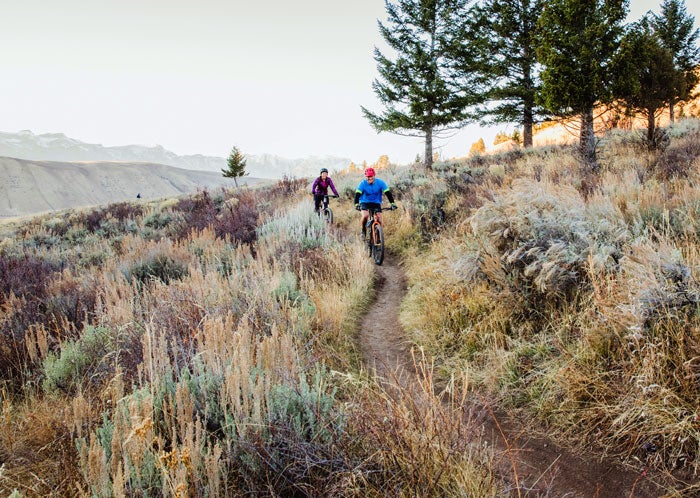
point(569, 295)
point(204, 347)
point(206, 343)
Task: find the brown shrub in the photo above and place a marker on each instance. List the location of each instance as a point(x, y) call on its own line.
point(678, 159)
point(239, 221)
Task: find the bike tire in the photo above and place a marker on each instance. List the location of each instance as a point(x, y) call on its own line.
point(328, 215)
point(378, 246)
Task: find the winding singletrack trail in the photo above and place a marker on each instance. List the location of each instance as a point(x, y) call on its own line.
point(541, 466)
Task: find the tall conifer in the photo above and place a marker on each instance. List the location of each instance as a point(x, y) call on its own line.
point(646, 75)
point(675, 29)
point(503, 42)
point(577, 41)
point(418, 85)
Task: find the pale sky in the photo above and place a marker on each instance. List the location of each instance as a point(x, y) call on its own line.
point(281, 77)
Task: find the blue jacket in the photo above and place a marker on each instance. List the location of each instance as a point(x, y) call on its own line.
point(373, 192)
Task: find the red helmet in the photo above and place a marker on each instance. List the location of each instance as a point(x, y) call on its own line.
point(369, 172)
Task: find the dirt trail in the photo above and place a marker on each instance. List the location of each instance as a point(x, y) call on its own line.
point(543, 467)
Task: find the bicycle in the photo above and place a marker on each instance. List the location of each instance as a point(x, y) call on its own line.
point(325, 210)
point(375, 235)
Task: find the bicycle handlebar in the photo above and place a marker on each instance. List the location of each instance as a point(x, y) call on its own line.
point(380, 209)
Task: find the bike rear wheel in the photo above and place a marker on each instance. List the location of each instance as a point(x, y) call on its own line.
point(378, 244)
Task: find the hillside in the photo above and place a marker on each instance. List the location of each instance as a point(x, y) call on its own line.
point(215, 345)
point(30, 187)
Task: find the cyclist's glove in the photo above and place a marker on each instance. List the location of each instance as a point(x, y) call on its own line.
point(357, 207)
point(393, 206)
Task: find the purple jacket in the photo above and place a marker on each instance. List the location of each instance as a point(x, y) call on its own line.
point(320, 187)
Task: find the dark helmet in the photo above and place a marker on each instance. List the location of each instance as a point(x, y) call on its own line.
point(324, 170)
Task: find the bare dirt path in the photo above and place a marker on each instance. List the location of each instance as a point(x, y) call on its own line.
point(543, 468)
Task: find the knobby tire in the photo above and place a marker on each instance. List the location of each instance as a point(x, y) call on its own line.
point(328, 215)
point(378, 244)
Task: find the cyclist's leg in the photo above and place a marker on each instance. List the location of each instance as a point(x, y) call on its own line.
point(363, 221)
point(317, 203)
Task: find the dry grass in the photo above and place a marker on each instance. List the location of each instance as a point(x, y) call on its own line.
point(228, 364)
point(200, 365)
point(578, 305)
point(420, 440)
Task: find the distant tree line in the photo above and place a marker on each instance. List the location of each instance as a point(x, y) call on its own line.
point(455, 62)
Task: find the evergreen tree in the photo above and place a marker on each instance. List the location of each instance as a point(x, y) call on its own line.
point(647, 78)
point(236, 165)
point(502, 40)
point(577, 41)
point(675, 29)
point(420, 89)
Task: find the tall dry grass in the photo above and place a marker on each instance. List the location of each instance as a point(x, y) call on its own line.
point(575, 298)
point(166, 351)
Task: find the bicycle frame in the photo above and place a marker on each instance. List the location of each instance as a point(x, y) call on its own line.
point(375, 235)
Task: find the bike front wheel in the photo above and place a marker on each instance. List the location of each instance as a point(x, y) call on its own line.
point(328, 215)
point(377, 244)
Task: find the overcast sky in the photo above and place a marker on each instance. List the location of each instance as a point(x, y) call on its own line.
point(282, 77)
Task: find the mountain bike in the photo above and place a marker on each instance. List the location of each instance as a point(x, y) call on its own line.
point(325, 211)
point(375, 235)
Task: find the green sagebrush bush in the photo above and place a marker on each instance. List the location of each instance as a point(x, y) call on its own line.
point(159, 267)
point(545, 239)
point(79, 362)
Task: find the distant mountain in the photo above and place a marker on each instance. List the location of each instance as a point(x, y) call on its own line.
point(30, 187)
point(59, 147)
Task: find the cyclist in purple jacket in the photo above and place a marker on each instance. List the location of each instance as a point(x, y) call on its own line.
point(320, 188)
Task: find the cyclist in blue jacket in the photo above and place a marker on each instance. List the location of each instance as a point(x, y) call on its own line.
point(369, 195)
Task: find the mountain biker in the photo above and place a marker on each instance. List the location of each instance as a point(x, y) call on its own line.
point(320, 189)
point(369, 195)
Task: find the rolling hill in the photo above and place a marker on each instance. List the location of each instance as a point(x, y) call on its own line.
point(31, 187)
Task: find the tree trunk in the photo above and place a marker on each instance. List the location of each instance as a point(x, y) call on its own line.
point(527, 126)
point(671, 114)
point(651, 128)
point(587, 140)
point(528, 103)
point(428, 162)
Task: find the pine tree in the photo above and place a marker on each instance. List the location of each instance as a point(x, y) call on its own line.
point(647, 78)
point(420, 90)
point(502, 40)
point(236, 165)
point(675, 29)
point(577, 40)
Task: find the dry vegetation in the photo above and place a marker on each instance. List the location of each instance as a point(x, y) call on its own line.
point(206, 346)
point(574, 298)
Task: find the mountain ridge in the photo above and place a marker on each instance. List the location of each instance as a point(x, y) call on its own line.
point(27, 145)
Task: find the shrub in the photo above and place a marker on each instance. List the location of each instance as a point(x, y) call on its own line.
point(158, 220)
point(545, 238)
point(198, 211)
point(677, 161)
point(81, 360)
point(240, 221)
point(159, 267)
point(25, 276)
